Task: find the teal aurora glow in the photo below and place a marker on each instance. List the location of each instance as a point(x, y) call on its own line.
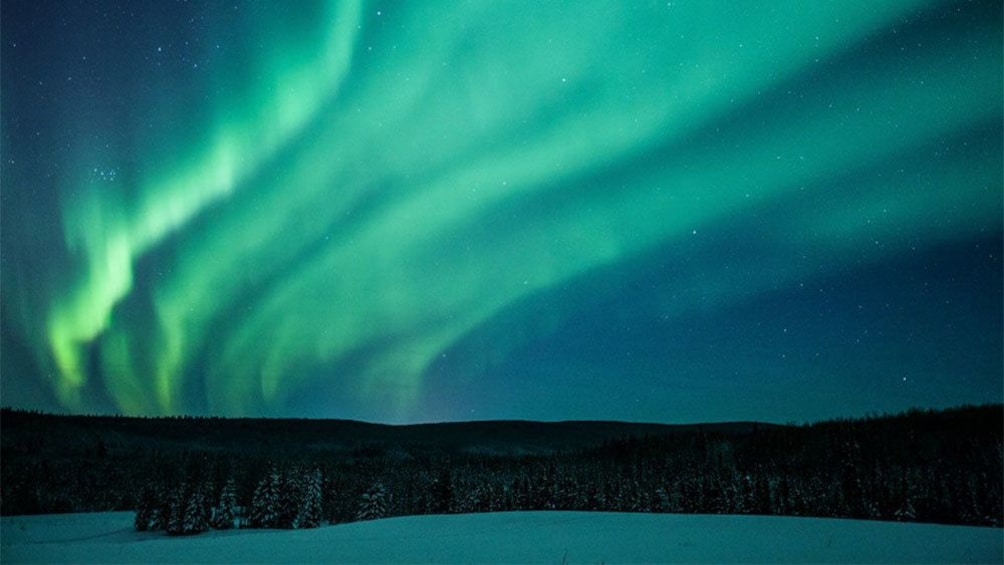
point(410, 211)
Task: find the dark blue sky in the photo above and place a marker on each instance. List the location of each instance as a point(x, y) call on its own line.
point(662, 211)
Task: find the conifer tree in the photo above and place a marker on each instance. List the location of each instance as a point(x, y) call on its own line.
point(176, 510)
point(226, 510)
point(310, 507)
point(162, 509)
point(373, 504)
point(442, 493)
point(196, 518)
point(145, 512)
point(906, 511)
point(290, 496)
point(255, 513)
point(265, 502)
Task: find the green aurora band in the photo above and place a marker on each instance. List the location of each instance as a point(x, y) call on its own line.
point(361, 187)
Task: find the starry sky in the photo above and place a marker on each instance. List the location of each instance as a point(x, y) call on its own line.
point(655, 211)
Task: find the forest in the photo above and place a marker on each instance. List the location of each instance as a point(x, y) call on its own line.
point(187, 475)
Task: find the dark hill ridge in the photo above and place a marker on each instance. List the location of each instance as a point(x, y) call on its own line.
point(62, 435)
point(940, 466)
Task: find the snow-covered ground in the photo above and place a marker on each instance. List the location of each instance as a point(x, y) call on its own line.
point(510, 537)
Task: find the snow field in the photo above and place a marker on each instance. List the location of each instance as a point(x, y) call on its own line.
point(507, 537)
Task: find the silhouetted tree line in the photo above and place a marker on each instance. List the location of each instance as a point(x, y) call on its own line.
point(943, 467)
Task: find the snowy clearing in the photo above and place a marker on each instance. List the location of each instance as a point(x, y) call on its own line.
point(523, 537)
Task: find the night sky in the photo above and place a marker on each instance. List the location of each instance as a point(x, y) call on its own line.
point(418, 211)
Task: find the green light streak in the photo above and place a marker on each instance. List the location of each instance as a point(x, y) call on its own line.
point(233, 154)
point(392, 182)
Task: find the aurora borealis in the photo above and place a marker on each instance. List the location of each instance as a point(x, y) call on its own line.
point(412, 211)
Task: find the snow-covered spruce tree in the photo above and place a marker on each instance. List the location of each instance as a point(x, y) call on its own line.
point(255, 515)
point(290, 497)
point(209, 500)
point(226, 509)
point(373, 504)
point(265, 502)
point(162, 510)
point(332, 501)
point(147, 508)
point(141, 521)
point(474, 500)
point(310, 506)
point(442, 493)
point(906, 511)
point(176, 510)
point(259, 514)
point(196, 518)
